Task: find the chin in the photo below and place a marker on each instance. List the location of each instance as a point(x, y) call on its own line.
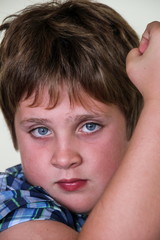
point(78, 207)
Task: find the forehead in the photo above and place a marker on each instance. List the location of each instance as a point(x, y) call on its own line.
point(45, 100)
point(83, 101)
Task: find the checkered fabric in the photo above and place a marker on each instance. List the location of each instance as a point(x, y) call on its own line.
point(21, 202)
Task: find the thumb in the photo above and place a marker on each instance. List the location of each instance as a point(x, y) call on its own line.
point(131, 61)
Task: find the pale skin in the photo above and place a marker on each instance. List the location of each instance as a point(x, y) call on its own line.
point(131, 199)
point(67, 147)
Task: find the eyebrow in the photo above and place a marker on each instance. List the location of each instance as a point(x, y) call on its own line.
point(85, 117)
point(79, 117)
point(35, 120)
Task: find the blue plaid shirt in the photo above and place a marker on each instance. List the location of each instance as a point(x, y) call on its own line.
point(22, 202)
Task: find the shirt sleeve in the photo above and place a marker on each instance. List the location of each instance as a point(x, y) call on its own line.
point(16, 211)
point(22, 202)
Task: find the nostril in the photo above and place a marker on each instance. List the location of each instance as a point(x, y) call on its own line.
point(66, 160)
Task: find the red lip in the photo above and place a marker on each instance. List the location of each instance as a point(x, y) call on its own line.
point(71, 185)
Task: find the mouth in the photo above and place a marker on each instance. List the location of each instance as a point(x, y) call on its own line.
point(71, 185)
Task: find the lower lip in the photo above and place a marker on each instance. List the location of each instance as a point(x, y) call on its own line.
point(72, 186)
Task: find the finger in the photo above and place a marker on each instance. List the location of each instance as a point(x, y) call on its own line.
point(131, 62)
point(144, 43)
point(145, 38)
point(133, 54)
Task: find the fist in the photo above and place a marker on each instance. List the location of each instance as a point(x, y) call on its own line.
point(143, 63)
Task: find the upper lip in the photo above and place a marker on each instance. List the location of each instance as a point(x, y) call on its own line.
point(72, 180)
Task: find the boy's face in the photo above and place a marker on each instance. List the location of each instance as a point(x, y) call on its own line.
point(71, 151)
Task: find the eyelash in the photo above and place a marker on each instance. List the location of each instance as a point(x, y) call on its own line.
point(34, 132)
point(48, 132)
point(96, 125)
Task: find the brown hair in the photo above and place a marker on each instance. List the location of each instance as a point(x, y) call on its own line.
point(79, 43)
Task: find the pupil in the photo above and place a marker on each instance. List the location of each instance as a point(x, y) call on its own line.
point(90, 126)
point(42, 131)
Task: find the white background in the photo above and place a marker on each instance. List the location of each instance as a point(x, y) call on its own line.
point(138, 13)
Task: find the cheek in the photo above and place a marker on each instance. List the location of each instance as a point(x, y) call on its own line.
point(109, 153)
point(108, 161)
point(35, 170)
point(35, 162)
point(112, 148)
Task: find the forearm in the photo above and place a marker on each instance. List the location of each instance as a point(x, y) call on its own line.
point(129, 208)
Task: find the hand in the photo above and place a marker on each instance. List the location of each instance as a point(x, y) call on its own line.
point(143, 63)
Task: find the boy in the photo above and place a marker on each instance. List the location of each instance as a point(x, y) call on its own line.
point(71, 110)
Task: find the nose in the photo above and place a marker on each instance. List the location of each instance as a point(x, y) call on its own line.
point(66, 158)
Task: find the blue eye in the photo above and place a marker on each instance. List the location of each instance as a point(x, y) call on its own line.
point(41, 132)
point(91, 127)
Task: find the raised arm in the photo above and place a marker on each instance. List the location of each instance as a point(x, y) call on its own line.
point(130, 207)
